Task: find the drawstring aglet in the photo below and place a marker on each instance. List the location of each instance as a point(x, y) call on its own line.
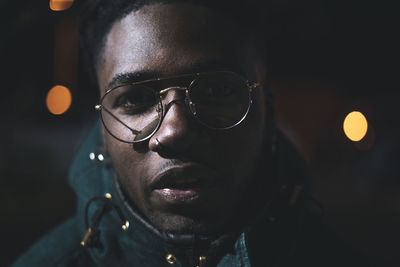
point(88, 235)
point(125, 226)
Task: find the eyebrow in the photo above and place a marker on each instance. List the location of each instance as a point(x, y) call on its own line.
point(132, 77)
point(198, 66)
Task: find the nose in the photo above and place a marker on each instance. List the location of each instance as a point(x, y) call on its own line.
point(178, 131)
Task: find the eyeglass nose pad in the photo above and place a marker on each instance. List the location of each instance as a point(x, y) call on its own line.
point(191, 106)
point(159, 108)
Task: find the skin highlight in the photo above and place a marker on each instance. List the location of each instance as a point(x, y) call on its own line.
point(170, 39)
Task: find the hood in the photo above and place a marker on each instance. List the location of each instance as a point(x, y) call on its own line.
point(114, 233)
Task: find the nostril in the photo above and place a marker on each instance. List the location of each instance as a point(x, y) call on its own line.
point(176, 131)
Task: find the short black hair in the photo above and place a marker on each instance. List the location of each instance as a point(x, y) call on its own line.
point(96, 18)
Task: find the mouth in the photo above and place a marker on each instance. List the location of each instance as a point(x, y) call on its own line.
point(184, 183)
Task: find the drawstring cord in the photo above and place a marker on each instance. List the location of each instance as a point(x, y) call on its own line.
point(92, 229)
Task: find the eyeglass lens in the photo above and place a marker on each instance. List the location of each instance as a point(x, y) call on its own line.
point(131, 112)
point(220, 100)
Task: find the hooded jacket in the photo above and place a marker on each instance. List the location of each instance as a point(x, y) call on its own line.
point(107, 231)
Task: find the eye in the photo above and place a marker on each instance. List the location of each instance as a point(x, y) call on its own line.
point(219, 91)
point(135, 100)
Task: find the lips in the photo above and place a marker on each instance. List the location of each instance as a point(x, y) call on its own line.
point(185, 176)
point(184, 183)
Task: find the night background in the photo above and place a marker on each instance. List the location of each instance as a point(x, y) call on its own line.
point(326, 59)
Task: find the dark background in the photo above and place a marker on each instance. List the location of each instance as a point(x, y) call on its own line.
point(326, 59)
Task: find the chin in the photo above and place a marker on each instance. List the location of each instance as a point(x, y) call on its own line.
point(178, 224)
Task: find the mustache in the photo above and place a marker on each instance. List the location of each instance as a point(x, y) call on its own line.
point(169, 164)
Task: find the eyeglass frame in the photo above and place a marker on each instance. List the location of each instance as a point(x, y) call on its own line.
point(189, 104)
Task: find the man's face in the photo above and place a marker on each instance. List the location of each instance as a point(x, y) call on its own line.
point(171, 39)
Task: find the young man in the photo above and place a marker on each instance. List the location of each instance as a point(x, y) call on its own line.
point(183, 169)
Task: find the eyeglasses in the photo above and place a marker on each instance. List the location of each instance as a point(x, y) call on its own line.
point(133, 112)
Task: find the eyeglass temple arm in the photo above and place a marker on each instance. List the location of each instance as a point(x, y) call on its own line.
point(98, 107)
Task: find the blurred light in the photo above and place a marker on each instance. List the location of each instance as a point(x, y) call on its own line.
point(58, 99)
point(355, 126)
point(60, 5)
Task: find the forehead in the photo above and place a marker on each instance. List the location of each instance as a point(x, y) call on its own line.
point(168, 39)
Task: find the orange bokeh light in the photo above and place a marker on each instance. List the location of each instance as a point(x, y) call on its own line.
point(60, 5)
point(58, 99)
point(355, 126)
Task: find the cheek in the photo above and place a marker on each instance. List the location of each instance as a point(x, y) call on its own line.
point(125, 161)
point(242, 146)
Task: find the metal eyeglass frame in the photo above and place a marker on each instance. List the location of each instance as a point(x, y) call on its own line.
point(99, 107)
